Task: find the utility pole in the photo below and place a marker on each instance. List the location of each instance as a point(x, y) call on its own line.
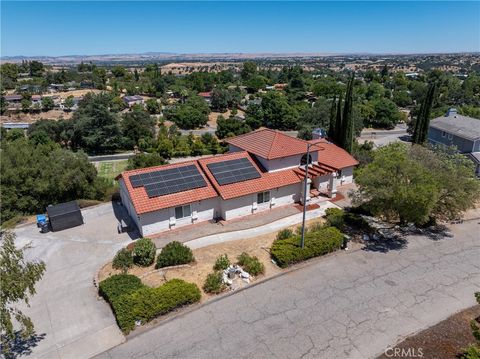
point(305, 192)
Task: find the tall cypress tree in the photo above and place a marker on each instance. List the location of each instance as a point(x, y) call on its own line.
point(347, 134)
point(331, 126)
point(338, 122)
point(422, 123)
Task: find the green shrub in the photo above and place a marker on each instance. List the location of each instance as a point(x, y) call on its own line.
point(118, 285)
point(335, 217)
point(284, 234)
point(214, 283)
point(250, 264)
point(123, 260)
point(221, 263)
point(174, 253)
point(144, 252)
point(316, 227)
point(298, 230)
point(147, 303)
point(288, 251)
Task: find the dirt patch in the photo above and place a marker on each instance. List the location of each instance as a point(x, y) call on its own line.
point(33, 117)
point(204, 260)
point(444, 340)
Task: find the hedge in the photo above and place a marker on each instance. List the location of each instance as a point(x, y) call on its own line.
point(123, 260)
point(287, 251)
point(174, 253)
point(147, 303)
point(214, 283)
point(118, 285)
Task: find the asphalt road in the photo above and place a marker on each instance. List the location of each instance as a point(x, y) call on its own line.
point(348, 305)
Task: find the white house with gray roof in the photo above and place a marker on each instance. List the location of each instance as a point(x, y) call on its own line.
point(460, 131)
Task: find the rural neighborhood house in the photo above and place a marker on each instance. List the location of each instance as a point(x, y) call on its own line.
point(263, 170)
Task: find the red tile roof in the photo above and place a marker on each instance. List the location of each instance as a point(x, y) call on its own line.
point(205, 94)
point(334, 156)
point(144, 204)
point(331, 158)
point(269, 144)
point(267, 181)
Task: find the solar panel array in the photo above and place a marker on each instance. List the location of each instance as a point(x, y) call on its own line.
point(233, 171)
point(173, 180)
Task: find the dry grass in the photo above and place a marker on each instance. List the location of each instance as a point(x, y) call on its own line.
point(204, 260)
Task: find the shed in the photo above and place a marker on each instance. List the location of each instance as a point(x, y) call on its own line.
point(64, 215)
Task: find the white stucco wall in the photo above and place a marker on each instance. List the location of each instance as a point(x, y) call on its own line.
point(279, 164)
point(127, 203)
point(159, 221)
point(242, 206)
point(321, 182)
point(346, 177)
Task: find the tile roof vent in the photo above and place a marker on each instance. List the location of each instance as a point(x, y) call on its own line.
point(451, 112)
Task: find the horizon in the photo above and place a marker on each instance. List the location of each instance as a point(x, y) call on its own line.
point(323, 28)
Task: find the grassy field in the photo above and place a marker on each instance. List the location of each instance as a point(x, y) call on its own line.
point(110, 169)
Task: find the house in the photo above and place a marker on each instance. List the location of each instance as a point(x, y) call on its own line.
point(14, 125)
point(463, 132)
point(207, 96)
point(13, 100)
point(133, 100)
point(263, 170)
point(36, 100)
point(56, 87)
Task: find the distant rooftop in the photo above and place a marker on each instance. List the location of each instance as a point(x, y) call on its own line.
point(458, 125)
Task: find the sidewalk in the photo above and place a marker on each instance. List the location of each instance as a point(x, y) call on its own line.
point(256, 231)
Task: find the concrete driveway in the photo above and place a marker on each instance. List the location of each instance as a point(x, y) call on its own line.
point(69, 319)
point(348, 305)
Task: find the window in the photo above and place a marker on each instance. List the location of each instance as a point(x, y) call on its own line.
point(182, 211)
point(450, 136)
point(444, 133)
point(303, 160)
point(263, 197)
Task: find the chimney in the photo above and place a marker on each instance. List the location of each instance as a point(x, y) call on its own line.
point(452, 112)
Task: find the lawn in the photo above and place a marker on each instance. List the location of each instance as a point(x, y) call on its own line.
point(110, 169)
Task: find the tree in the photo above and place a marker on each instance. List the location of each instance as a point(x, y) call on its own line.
point(338, 122)
point(17, 280)
point(277, 112)
point(346, 140)
point(254, 116)
point(416, 184)
point(165, 147)
point(136, 125)
point(423, 119)
point(187, 117)
point(332, 118)
point(47, 103)
point(153, 107)
point(230, 127)
point(3, 105)
point(26, 104)
point(36, 175)
point(143, 160)
point(36, 68)
point(69, 103)
point(96, 129)
point(220, 99)
point(249, 70)
point(386, 114)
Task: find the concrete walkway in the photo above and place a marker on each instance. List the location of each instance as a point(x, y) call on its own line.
point(257, 231)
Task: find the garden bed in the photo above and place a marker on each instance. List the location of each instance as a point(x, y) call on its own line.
point(205, 257)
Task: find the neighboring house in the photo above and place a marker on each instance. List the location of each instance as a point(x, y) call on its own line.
point(36, 100)
point(460, 131)
point(207, 96)
point(264, 169)
point(133, 100)
point(56, 87)
point(13, 100)
point(13, 125)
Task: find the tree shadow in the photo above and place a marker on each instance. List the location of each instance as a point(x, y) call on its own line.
point(384, 244)
point(437, 232)
point(21, 346)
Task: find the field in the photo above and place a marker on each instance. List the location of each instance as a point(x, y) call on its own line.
point(110, 169)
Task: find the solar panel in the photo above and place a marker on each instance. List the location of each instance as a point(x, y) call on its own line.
point(233, 171)
point(173, 180)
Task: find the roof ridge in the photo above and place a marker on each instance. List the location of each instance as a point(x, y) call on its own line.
point(271, 144)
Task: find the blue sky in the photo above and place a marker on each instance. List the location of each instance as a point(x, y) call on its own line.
point(67, 27)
